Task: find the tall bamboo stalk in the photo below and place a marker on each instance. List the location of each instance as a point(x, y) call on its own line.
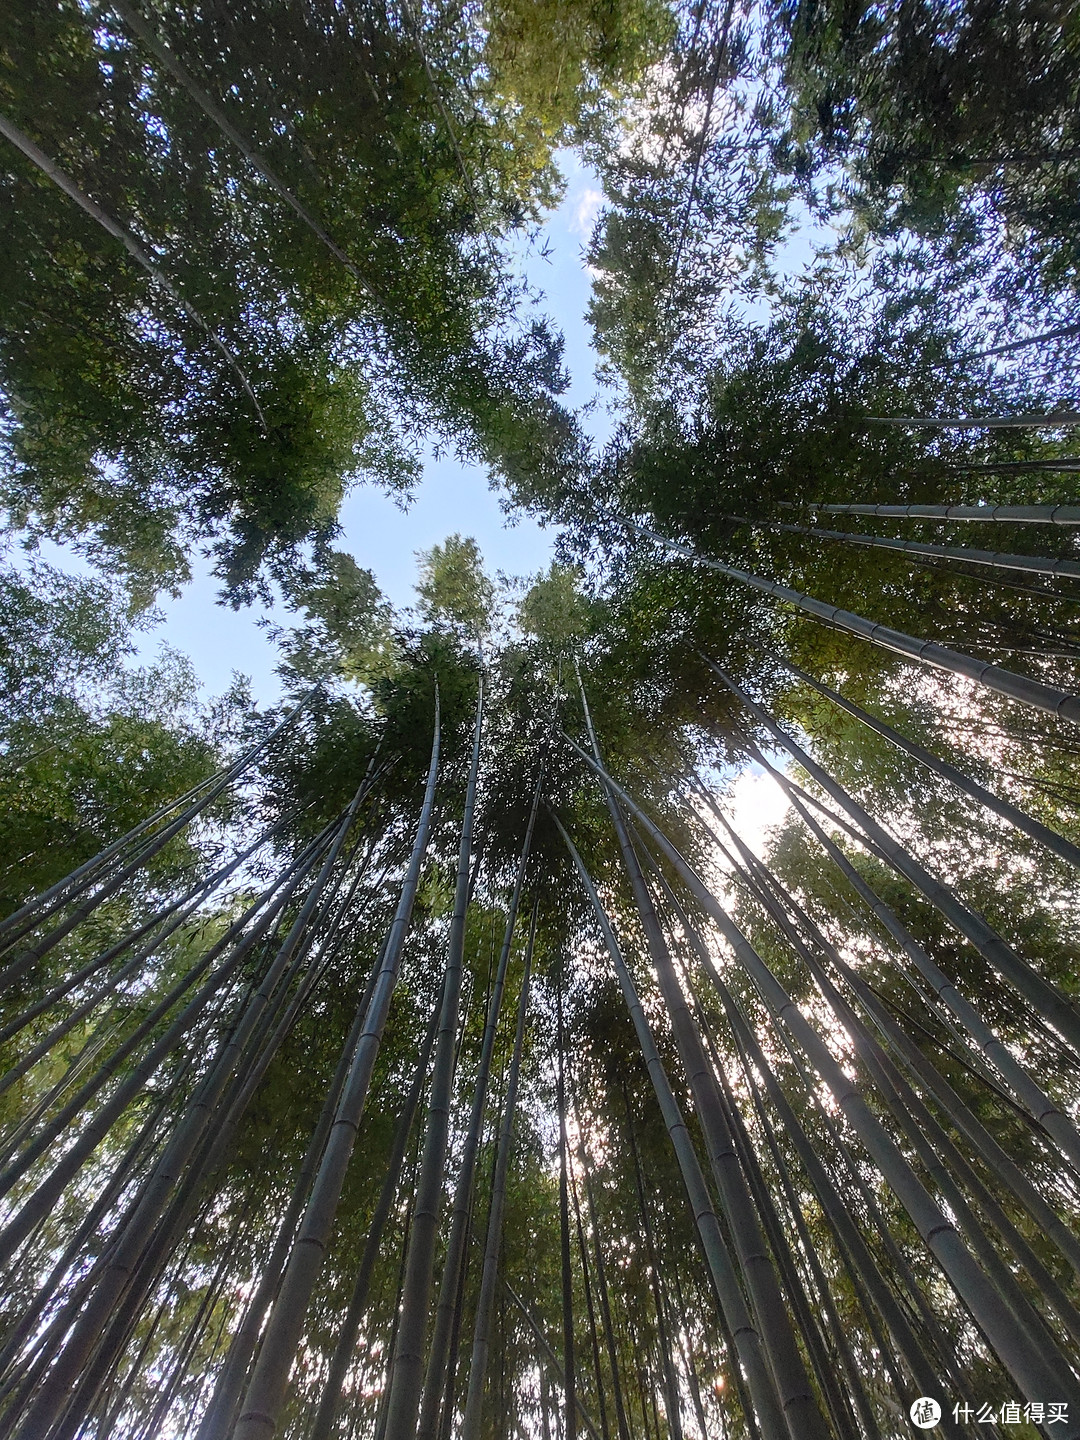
point(117, 1272)
point(1002, 514)
point(50, 1189)
point(1059, 420)
point(1009, 812)
point(898, 1092)
point(1044, 996)
point(265, 1393)
point(481, 1346)
point(446, 1307)
point(618, 1394)
point(672, 1405)
point(1055, 1008)
point(112, 226)
point(167, 57)
point(865, 1272)
point(1003, 682)
point(40, 906)
point(747, 1340)
point(330, 1400)
point(566, 1272)
point(29, 957)
point(406, 1372)
point(175, 912)
point(996, 559)
point(590, 1309)
point(219, 1413)
point(915, 1121)
point(797, 1398)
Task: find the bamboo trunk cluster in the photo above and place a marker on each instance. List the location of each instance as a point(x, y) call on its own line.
point(837, 1176)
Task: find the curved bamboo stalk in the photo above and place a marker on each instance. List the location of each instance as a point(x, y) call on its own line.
point(266, 1391)
point(64, 182)
point(1015, 817)
point(1002, 682)
point(291, 880)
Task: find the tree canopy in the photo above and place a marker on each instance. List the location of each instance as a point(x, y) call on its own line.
point(450, 1049)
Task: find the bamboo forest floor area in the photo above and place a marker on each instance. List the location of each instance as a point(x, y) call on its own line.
point(638, 1000)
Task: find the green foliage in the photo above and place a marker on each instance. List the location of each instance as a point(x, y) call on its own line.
point(556, 611)
point(89, 745)
point(348, 629)
point(125, 431)
point(926, 149)
point(422, 140)
point(453, 588)
point(944, 119)
point(555, 65)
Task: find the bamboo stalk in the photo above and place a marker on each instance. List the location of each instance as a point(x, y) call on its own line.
point(266, 1390)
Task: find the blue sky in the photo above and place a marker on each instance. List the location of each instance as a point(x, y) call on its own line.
point(453, 497)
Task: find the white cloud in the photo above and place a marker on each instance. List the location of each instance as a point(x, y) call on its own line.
point(589, 204)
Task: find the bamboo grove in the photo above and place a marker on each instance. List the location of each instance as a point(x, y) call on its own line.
point(517, 1088)
point(451, 1051)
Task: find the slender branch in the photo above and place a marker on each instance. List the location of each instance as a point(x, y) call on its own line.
point(63, 181)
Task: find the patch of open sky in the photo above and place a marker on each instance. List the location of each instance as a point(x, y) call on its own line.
point(451, 497)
